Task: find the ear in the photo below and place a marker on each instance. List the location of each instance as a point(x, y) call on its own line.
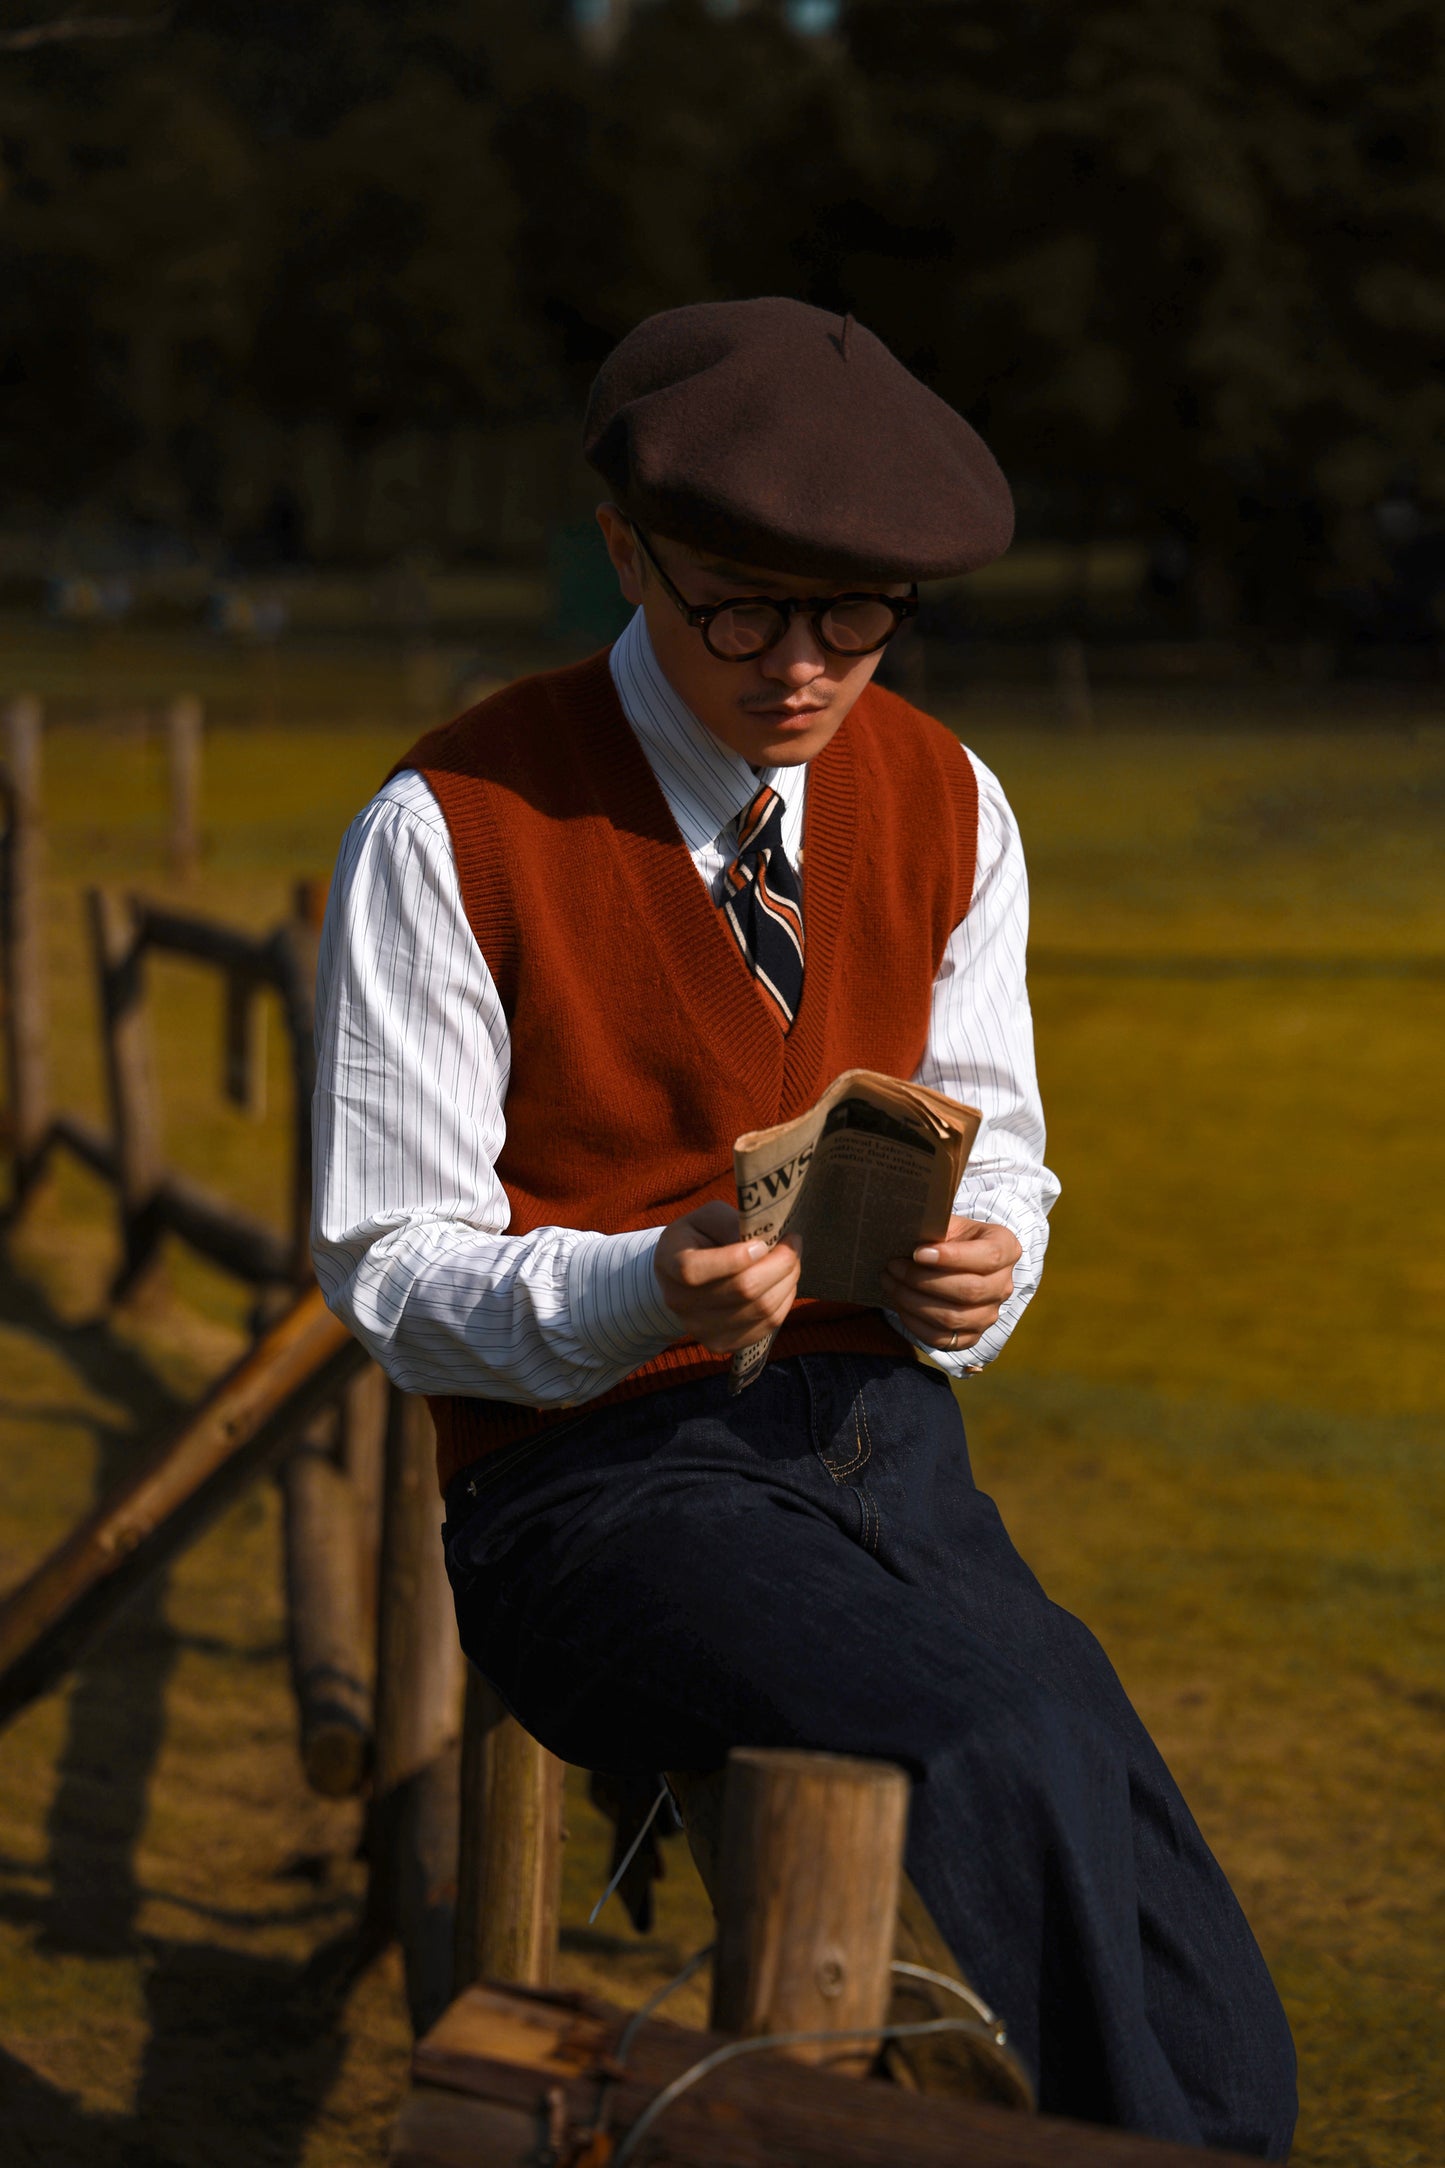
point(623, 551)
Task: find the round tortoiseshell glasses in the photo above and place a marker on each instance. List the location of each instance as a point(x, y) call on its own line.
point(746, 626)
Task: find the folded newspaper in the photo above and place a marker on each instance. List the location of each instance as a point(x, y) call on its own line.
point(866, 1175)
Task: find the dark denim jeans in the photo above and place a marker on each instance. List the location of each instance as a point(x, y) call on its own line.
point(811, 1565)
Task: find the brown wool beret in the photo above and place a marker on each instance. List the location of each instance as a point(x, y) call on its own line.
point(786, 437)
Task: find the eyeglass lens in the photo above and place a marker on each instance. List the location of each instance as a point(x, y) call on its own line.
point(855, 627)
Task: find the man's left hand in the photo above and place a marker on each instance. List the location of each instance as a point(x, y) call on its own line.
point(949, 1293)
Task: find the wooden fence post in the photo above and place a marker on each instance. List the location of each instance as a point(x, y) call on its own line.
point(329, 1669)
point(120, 972)
point(414, 1832)
point(184, 719)
point(1071, 682)
point(22, 918)
point(812, 1855)
point(509, 1866)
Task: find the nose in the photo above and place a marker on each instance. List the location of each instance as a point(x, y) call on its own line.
point(797, 659)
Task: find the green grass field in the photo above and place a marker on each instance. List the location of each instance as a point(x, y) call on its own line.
point(1216, 1435)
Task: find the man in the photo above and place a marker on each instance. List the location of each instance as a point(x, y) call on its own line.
point(584, 937)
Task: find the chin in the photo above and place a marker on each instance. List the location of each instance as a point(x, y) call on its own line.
point(788, 753)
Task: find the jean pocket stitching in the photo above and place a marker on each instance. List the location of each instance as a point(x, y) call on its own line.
point(862, 1439)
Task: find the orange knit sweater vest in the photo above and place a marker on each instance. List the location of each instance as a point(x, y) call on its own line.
point(641, 1045)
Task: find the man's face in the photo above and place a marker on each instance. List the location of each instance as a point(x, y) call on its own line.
point(776, 709)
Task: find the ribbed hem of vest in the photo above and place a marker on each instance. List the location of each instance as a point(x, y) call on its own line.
point(468, 1430)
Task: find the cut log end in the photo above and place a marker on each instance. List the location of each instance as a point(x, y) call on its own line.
point(336, 1756)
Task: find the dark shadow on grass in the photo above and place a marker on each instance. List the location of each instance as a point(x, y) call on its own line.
point(114, 1730)
point(115, 1717)
point(242, 2052)
point(42, 2127)
point(242, 2049)
point(92, 1349)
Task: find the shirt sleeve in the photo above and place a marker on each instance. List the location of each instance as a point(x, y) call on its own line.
point(981, 1050)
point(409, 1225)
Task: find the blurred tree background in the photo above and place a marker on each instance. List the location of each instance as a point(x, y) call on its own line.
point(327, 282)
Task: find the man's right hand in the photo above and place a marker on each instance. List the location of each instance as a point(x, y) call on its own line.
point(727, 1293)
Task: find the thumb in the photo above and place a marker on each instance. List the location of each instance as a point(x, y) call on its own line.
point(716, 1223)
point(965, 1230)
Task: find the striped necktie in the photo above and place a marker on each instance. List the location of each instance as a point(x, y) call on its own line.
point(763, 904)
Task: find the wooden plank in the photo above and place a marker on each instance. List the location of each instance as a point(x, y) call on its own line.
point(244, 1422)
point(324, 1617)
point(519, 2051)
point(509, 1872)
point(441, 2130)
point(119, 963)
point(23, 925)
point(183, 725)
point(812, 1853)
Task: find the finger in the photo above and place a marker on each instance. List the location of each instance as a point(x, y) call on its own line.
point(946, 1339)
point(697, 1267)
point(723, 1307)
point(996, 1246)
point(716, 1222)
point(959, 1288)
point(776, 1276)
point(725, 1335)
point(738, 1273)
point(928, 1318)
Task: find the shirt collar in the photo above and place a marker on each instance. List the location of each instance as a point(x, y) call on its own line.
point(705, 782)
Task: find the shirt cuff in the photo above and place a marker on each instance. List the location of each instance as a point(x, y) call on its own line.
point(616, 1305)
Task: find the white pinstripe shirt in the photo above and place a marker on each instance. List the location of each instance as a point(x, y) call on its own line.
point(409, 1229)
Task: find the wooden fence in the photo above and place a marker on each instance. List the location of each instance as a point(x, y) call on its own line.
point(374, 1656)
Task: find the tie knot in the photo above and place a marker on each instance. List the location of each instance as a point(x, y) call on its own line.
point(761, 820)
